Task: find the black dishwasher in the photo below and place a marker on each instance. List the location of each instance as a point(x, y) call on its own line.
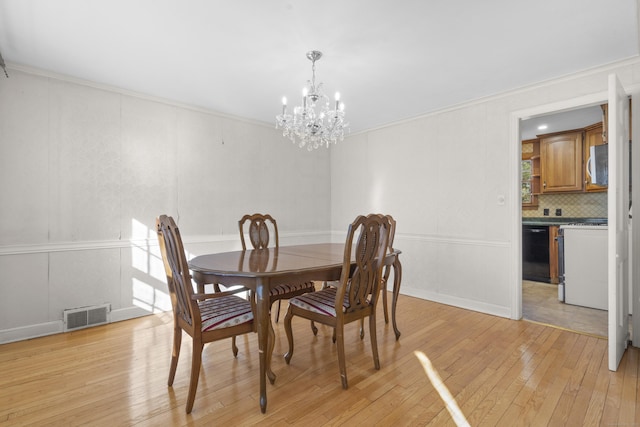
point(535, 253)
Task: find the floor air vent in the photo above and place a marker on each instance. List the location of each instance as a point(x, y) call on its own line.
point(84, 317)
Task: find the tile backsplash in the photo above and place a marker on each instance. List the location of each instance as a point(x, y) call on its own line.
point(574, 205)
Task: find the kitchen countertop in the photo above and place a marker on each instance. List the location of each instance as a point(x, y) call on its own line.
point(559, 220)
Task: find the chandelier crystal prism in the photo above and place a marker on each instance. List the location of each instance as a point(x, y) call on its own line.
point(314, 123)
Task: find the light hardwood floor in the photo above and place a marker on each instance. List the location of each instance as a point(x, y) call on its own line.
point(499, 372)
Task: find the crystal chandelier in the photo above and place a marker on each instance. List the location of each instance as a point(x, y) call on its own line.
point(314, 123)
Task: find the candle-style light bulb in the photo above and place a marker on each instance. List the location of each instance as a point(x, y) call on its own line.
point(337, 100)
point(284, 105)
point(305, 91)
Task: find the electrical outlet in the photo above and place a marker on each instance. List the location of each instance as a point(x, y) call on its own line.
point(545, 212)
point(558, 212)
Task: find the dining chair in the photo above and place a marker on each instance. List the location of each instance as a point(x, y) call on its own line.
point(356, 294)
point(385, 279)
point(257, 227)
point(388, 268)
point(204, 317)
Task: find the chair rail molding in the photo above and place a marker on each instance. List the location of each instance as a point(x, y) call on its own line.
point(136, 243)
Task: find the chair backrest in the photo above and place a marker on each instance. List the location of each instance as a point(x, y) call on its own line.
point(361, 286)
point(176, 267)
point(392, 231)
point(258, 230)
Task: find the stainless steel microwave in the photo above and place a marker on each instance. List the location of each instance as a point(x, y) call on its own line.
point(598, 164)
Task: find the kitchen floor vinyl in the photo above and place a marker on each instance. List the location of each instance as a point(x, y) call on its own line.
point(540, 304)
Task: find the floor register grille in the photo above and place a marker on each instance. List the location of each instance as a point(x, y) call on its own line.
point(85, 317)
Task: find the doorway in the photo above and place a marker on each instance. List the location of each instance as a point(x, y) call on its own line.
point(541, 299)
point(620, 325)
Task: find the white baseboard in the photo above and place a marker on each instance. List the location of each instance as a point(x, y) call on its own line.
point(57, 327)
point(31, 331)
point(467, 304)
point(128, 313)
point(50, 328)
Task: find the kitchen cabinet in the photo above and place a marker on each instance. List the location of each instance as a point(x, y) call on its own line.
point(530, 169)
point(593, 136)
point(561, 162)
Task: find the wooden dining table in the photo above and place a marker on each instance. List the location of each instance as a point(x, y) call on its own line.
point(261, 269)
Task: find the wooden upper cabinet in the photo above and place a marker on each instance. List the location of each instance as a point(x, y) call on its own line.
point(561, 162)
point(530, 169)
point(593, 135)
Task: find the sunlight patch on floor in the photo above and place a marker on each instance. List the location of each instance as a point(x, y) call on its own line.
point(443, 391)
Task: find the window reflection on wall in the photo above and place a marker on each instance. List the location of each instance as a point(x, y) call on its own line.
point(148, 281)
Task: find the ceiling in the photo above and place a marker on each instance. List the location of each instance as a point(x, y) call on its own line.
point(558, 122)
point(389, 60)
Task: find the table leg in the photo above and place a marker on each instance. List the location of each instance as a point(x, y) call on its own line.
point(397, 277)
point(264, 331)
point(271, 344)
point(201, 282)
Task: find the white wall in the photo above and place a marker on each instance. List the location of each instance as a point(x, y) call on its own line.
point(84, 171)
point(441, 176)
